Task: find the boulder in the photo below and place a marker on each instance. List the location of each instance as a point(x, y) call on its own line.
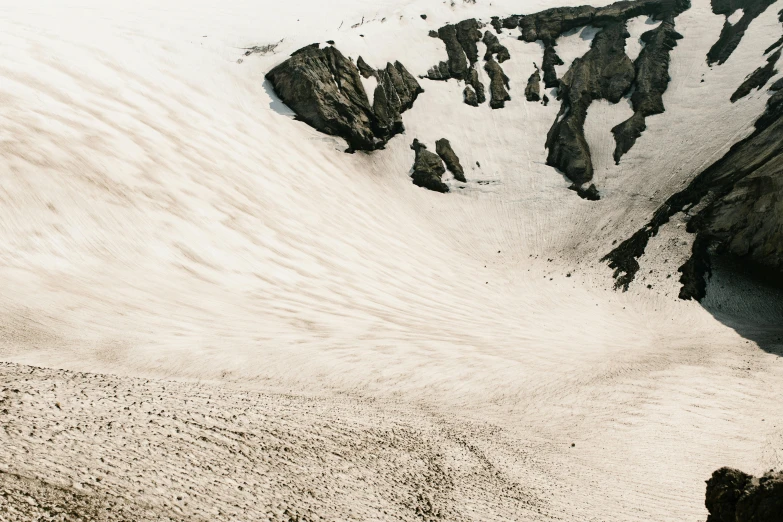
point(533, 89)
point(734, 496)
point(446, 153)
point(498, 85)
point(325, 90)
point(428, 169)
point(494, 47)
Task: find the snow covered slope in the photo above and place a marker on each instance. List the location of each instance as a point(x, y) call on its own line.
point(163, 217)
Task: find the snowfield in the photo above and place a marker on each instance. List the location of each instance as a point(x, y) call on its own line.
point(209, 311)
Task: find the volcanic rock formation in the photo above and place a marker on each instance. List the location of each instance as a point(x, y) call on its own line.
point(325, 90)
point(734, 496)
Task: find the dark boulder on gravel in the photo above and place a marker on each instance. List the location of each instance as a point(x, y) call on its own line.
point(428, 169)
point(734, 496)
point(446, 153)
point(325, 90)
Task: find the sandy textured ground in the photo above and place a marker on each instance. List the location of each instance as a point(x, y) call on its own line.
point(232, 318)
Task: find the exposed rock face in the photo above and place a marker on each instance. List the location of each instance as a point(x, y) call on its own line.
point(428, 169)
point(462, 49)
point(604, 72)
point(494, 47)
point(478, 87)
point(364, 69)
point(741, 210)
point(470, 96)
point(498, 85)
point(551, 59)
point(731, 34)
point(395, 93)
point(533, 89)
point(734, 496)
point(497, 24)
point(652, 80)
point(446, 153)
point(758, 78)
point(549, 24)
point(325, 90)
point(457, 64)
point(590, 193)
point(468, 34)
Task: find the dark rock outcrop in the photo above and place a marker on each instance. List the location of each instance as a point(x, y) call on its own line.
point(324, 89)
point(590, 193)
point(735, 208)
point(439, 72)
point(734, 496)
point(549, 24)
point(498, 85)
point(778, 43)
point(604, 72)
point(468, 34)
point(478, 87)
point(470, 97)
point(428, 169)
point(364, 69)
point(731, 35)
point(395, 93)
point(497, 24)
point(494, 47)
point(652, 80)
point(757, 78)
point(446, 153)
point(457, 63)
point(462, 50)
point(533, 89)
point(551, 59)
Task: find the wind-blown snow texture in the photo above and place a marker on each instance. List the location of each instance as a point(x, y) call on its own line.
point(233, 319)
